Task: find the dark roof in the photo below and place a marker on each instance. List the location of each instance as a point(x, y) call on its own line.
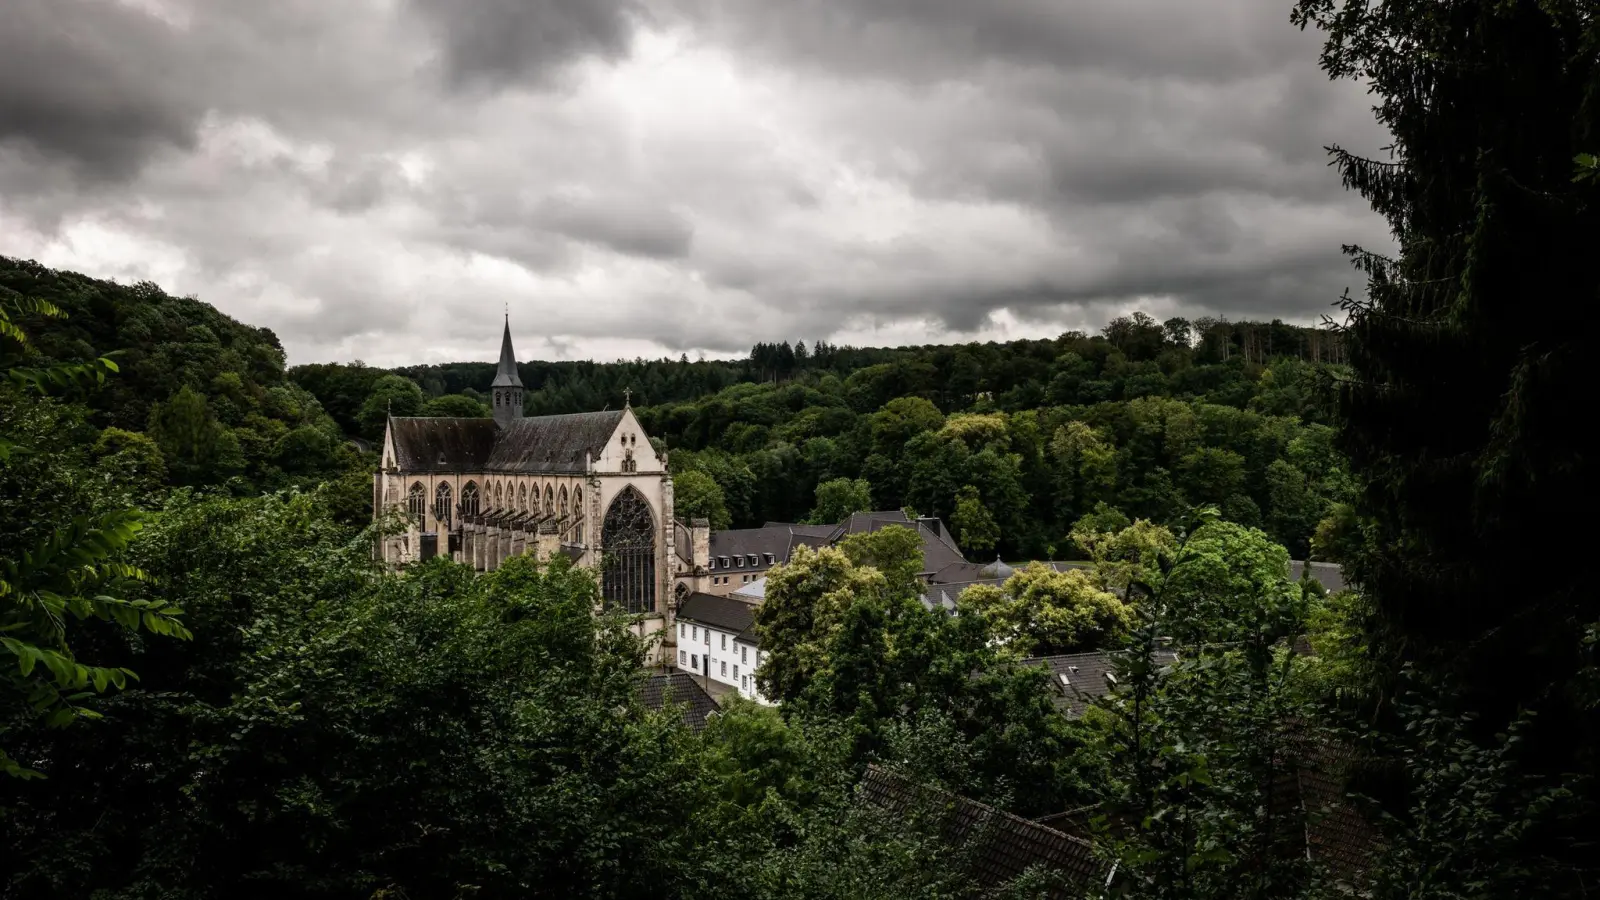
point(1329, 575)
point(1337, 835)
point(656, 691)
point(506, 374)
point(774, 539)
point(539, 444)
point(553, 443)
point(724, 613)
point(958, 572)
point(440, 444)
point(778, 539)
point(1078, 679)
point(1007, 845)
point(817, 531)
point(939, 552)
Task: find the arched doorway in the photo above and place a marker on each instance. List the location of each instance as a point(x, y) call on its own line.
point(628, 549)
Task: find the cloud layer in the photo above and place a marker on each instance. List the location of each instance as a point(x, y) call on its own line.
point(378, 179)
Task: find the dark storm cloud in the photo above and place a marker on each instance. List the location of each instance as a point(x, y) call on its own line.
point(83, 84)
point(497, 41)
point(375, 178)
point(937, 40)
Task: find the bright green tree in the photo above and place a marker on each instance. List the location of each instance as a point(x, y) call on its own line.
point(696, 495)
point(840, 498)
point(1042, 612)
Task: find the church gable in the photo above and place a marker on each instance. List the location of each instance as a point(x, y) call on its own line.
point(627, 448)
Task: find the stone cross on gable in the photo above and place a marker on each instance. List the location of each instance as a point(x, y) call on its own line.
point(627, 396)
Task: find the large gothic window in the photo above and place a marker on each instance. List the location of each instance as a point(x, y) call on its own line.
point(549, 501)
point(563, 501)
point(469, 499)
point(577, 516)
point(522, 498)
point(628, 547)
point(441, 505)
point(499, 497)
point(417, 501)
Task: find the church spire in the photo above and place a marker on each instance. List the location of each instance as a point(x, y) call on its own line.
point(506, 375)
point(507, 386)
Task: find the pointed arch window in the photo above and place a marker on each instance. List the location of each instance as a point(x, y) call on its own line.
point(549, 501)
point(469, 499)
point(522, 498)
point(628, 568)
point(563, 501)
point(499, 497)
point(417, 501)
point(577, 516)
point(442, 510)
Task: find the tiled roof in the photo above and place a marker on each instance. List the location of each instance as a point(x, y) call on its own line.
point(656, 691)
point(1337, 835)
point(1006, 845)
point(1078, 679)
point(724, 613)
point(1329, 575)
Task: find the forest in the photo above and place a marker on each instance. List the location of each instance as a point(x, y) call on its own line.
point(210, 688)
point(1146, 418)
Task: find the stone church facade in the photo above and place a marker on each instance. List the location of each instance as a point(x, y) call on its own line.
point(586, 485)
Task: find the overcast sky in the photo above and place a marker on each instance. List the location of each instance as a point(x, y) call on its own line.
point(381, 179)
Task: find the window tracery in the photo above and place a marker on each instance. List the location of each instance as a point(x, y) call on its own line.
point(628, 572)
point(442, 510)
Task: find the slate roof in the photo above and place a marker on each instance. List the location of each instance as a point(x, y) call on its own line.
point(722, 613)
point(656, 691)
point(553, 443)
point(441, 444)
point(542, 444)
point(1329, 575)
point(1078, 679)
point(1006, 845)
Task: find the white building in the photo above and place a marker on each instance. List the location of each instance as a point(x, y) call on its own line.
point(716, 641)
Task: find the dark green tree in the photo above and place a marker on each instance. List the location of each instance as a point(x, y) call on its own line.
point(1467, 351)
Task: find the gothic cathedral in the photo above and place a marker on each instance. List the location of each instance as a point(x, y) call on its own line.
point(587, 485)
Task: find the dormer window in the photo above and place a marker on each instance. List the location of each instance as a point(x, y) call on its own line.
point(724, 562)
point(738, 562)
point(769, 559)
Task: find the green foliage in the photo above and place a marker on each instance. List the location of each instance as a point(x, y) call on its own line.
point(1465, 347)
point(457, 406)
point(839, 499)
point(974, 528)
point(1042, 612)
point(392, 395)
point(73, 572)
point(345, 732)
point(895, 551)
point(696, 495)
